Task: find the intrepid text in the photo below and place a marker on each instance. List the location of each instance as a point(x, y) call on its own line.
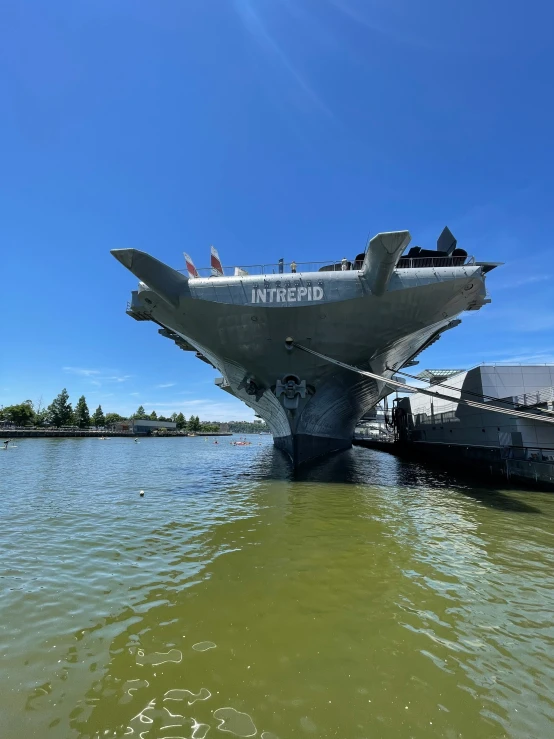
point(286, 294)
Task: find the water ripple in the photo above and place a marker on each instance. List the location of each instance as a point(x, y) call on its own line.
point(363, 597)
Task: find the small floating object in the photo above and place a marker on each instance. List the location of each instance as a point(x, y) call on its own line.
point(141, 493)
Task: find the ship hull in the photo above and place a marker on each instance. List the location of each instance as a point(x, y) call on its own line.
point(305, 448)
point(248, 345)
point(250, 329)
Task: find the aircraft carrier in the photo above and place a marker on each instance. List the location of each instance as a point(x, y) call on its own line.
point(376, 312)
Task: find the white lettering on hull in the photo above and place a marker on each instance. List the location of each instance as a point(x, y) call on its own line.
point(286, 295)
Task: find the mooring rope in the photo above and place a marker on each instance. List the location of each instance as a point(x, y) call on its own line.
point(425, 391)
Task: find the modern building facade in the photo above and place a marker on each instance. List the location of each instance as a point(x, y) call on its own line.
point(524, 387)
point(514, 445)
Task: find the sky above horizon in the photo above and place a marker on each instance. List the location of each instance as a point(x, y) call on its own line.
point(270, 128)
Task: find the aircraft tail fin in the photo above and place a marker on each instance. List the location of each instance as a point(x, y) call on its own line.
point(215, 263)
point(193, 272)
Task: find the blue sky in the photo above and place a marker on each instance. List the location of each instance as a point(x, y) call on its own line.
point(267, 127)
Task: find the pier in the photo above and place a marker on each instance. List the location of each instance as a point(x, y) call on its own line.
point(22, 433)
point(532, 467)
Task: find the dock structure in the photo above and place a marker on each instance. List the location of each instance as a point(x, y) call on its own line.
point(516, 448)
point(125, 430)
point(39, 433)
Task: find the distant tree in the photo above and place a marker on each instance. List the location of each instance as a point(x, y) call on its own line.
point(112, 418)
point(20, 414)
point(209, 428)
point(41, 417)
point(82, 415)
point(140, 414)
point(194, 423)
point(41, 413)
point(180, 420)
point(174, 417)
point(60, 412)
point(153, 416)
point(247, 427)
point(98, 417)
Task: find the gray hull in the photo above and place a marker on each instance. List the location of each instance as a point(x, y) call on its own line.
point(303, 448)
point(376, 318)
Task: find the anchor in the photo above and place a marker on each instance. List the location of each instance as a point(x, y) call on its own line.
point(291, 389)
point(251, 387)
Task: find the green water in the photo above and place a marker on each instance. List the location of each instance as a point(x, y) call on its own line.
point(366, 598)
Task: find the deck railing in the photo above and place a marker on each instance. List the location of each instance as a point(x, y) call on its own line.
point(329, 266)
point(272, 269)
point(544, 396)
point(420, 262)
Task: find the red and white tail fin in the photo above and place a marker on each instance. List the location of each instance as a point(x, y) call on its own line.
point(193, 272)
point(215, 262)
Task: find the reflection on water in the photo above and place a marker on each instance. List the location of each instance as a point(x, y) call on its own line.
point(361, 597)
point(203, 646)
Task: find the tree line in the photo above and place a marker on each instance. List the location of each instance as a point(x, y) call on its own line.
point(60, 413)
point(247, 427)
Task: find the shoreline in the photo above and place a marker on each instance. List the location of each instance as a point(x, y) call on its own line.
point(67, 434)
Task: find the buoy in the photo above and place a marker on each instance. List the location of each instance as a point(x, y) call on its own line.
point(142, 493)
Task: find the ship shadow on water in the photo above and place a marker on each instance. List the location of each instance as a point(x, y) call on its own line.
point(371, 467)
